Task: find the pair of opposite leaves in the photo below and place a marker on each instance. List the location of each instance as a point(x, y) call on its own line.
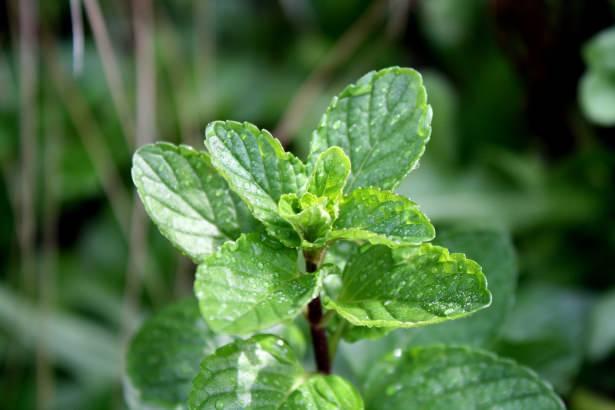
point(371, 136)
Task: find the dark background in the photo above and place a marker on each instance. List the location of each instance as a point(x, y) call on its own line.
point(80, 265)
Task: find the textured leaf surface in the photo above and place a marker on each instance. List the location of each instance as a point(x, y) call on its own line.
point(263, 373)
point(324, 393)
point(441, 377)
point(381, 217)
point(382, 123)
point(256, 167)
point(163, 356)
point(309, 215)
point(424, 285)
point(186, 198)
point(252, 284)
point(329, 174)
point(495, 253)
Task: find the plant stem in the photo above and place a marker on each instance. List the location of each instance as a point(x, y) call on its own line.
point(315, 316)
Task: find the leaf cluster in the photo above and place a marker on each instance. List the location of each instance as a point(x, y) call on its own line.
point(272, 234)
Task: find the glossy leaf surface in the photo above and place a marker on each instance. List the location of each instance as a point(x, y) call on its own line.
point(256, 167)
point(381, 217)
point(420, 286)
point(263, 373)
point(445, 377)
point(382, 123)
point(187, 199)
point(252, 284)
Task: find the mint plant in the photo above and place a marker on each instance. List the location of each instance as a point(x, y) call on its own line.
point(277, 240)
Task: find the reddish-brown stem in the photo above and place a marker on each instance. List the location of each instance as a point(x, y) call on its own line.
point(318, 332)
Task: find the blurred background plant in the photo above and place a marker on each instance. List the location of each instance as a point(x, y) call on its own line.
point(523, 93)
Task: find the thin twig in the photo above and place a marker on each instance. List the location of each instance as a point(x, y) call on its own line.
point(336, 56)
point(28, 63)
point(88, 130)
point(28, 115)
point(146, 106)
point(111, 67)
point(47, 275)
point(77, 25)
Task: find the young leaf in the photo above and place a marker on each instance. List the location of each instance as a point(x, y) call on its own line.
point(329, 175)
point(446, 377)
point(426, 285)
point(163, 356)
point(382, 123)
point(308, 215)
point(262, 372)
point(189, 202)
point(252, 284)
point(256, 167)
point(381, 218)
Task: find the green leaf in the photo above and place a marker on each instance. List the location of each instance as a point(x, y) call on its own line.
point(252, 284)
point(602, 327)
point(326, 393)
point(381, 218)
point(263, 373)
point(448, 377)
point(424, 285)
point(597, 96)
point(381, 123)
point(329, 174)
point(599, 52)
point(547, 331)
point(495, 253)
point(256, 167)
point(308, 215)
point(163, 356)
point(189, 202)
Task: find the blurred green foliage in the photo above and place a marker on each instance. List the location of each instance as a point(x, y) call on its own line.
point(486, 167)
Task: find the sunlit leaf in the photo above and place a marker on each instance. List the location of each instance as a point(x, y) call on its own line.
point(256, 167)
point(189, 202)
point(381, 123)
point(309, 215)
point(261, 373)
point(252, 284)
point(422, 285)
point(381, 217)
point(329, 175)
